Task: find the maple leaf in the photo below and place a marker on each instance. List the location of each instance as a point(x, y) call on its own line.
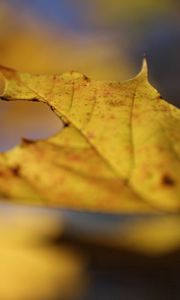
point(118, 153)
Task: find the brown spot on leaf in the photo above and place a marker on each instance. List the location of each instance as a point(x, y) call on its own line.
point(167, 180)
point(136, 116)
point(86, 78)
point(73, 157)
point(1, 173)
point(112, 117)
point(116, 102)
point(90, 135)
point(15, 170)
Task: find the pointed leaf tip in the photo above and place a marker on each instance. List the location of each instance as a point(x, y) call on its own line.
point(144, 69)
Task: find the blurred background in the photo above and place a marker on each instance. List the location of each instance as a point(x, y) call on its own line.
point(105, 39)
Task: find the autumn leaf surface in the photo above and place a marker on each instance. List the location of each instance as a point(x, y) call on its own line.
point(119, 150)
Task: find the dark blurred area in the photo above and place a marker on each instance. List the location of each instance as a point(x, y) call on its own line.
point(105, 39)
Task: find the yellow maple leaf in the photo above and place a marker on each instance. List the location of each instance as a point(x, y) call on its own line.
point(118, 153)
